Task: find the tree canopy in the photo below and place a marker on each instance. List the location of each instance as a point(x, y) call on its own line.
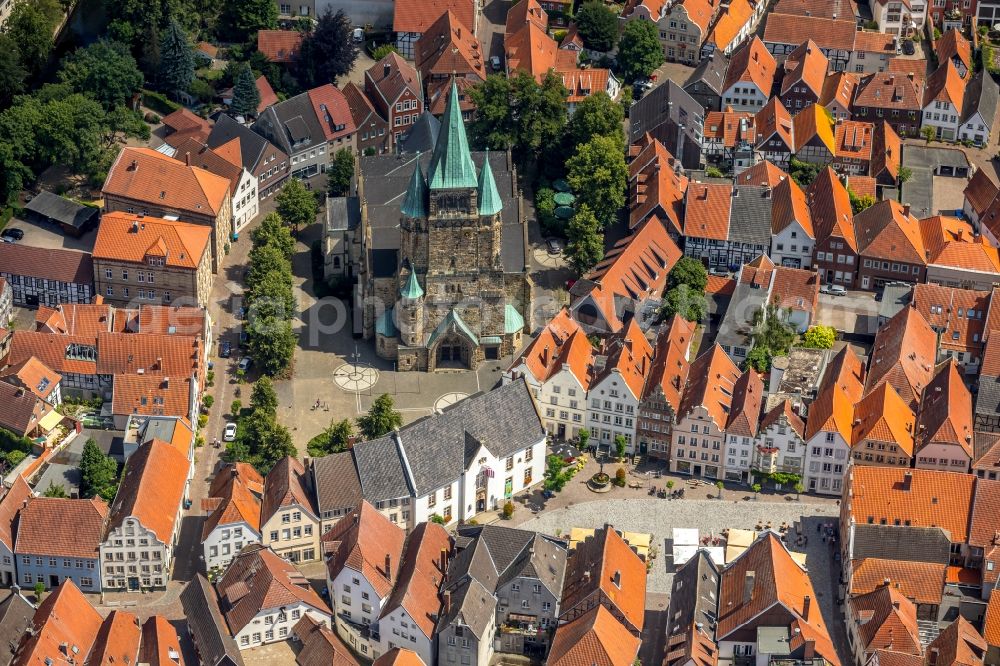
point(333, 439)
point(328, 51)
point(586, 242)
point(771, 337)
point(273, 233)
point(240, 19)
point(176, 60)
point(12, 71)
point(596, 115)
point(264, 397)
point(519, 113)
point(381, 419)
point(819, 337)
point(803, 173)
point(296, 205)
point(98, 472)
point(688, 271)
point(30, 26)
point(639, 51)
point(246, 96)
point(598, 175)
point(684, 301)
point(105, 71)
point(597, 25)
point(340, 172)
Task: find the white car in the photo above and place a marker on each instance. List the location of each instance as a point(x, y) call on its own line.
point(833, 289)
point(229, 434)
point(245, 363)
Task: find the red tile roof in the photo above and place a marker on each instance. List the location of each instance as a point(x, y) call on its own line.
point(890, 90)
point(707, 208)
point(186, 124)
point(285, 485)
point(744, 414)
point(945, 85)
point(949, 241)
point(60, 265)
point(854, 140)
point(773, 120)
point(117, 642)
point(320, 645)
point(525, 11)
point(805, 65)
point(829, 33)
point(10, 505)
point(595, 638)
point(670, 366)
point(953, 44)
point(45, 521)
point(886, 619)
point(656, 187)
point(917, 497)
point(234, 495)
point(135, 238)
point(711, 382)
point(418, 15)
point(280, 46)
point(615, 573)
point(920, 582)
point(764, 173)
point(796, 289)
point(788, 205)
point(331, 109)
point(839, 391)
point(981, 191)
point(34, 376)
point(561, 344)
point(76, 319)
point(630, 356)
point(904, 355)
point(399, 657)
point(150, 354)
point(959, 314)
point(420, 576)
point(151, 395)
point(449, 47)
point(991, 624)
point(365, 541)
point(153, 484)
point(783, 410)
point(887, 231)
point(142, 174)
point(839, 88)
point(882, 416)
point(958, 645)
point(752, 63)
point(830, 205)
point(730, 23)
point(64, 618)
point(160, 645)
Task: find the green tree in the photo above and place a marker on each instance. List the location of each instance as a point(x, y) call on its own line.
point(545, 210)
point(598, 175)
point(861, 203)
point(241, 19)
point(246, 96)
point(596, 115)
point(264, 260)
point(690, 272)
point(437, 518)
point(30, 26)
point(14, 458)
point(340, 172)
point(333, 439)
point(684, 301)
point(586, 242)
point(905, 174)
point(714, 172)
point(105, 71)
point(799, 489)
point(271, 297)
point(493, 124)
point(620, 446)
point(756, 489)
point(584, 438)
point(598, 26)
point(803, 173)
point(273, 232)
point(328, 51)
point(262, 441)
point(272, 344)
point(381, 418)
point(382, 51)
point(55, 490)
point(39, 589)
point(134, 22)
point(296, 204)
point(264, 398)
point(928, 132)
point(719, 485)
point(771, 337)
point(519, 113)
point(98, 472)
point(12, 71)
point(640, 51)
point(176, 60)
point(819, 337)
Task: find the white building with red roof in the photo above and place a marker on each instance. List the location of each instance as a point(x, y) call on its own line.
point(619, 377)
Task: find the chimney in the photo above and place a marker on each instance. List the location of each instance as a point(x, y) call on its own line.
point(133, 166)
point(388, 565)
point(446, 605)
point(187, 158)
point(748, 583)
point(444, 560)
point(755, 58)
point(806, 603)
point(809, 650)
point(906, 209)
point(910, 76)
point(907, 481)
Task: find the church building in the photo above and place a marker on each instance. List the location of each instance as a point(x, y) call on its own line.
point(443, 281)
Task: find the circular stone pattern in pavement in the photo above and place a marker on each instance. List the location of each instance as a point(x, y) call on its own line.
point(448, 399)
point(352, 377)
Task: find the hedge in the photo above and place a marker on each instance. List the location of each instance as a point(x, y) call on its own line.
point(158, 102)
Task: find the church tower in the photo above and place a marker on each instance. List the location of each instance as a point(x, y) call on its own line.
point(411, 312)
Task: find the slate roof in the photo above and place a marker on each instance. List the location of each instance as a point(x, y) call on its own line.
point(336, 482)
point(16, 617)
point(49, 264)
point(292, 122)
point(61, 209)
point(514, 553)
point(253, 146)
point(439, 448)
point(750, 216)
point(711, 71)
point(207, 625)
point(660, 111)
point(981, 95)
point(694, 603)
point(422, 135)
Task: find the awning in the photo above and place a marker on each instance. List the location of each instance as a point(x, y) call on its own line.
point(50, 421)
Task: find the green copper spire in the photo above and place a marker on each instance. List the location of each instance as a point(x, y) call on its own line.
point(412, 289)
point(415, 201)
point(451, 164)
point(489, 197)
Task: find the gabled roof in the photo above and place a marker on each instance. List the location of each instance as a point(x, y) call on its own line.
point(362, 110)
point(365, 541)
point(45, 521)
point(729, 24)
point(237, 503)
point(392, 76)
point(143, 174)
point(950, 241)
point(829, 33)
point(117, 641)
point(531, 50)
point(812, 124)
point(332, 111)
point(64, 620)
point(887, 153)
point(774, 120)
point(789, 206)
point(629, 357)
point(418, 15)
point(150, 354)
point(958, 645)
point(449, 47)
point(883, 416)
point(744, 415)
point(524, 12)
point(982, 95)
point(280, 46)
point(783, 410)
point(134, 238)
point(151, 395)
point(153, 484)
point(596, 638)
point(196, 153)
point(886, 619)
point(670, 366)
point(796, 289)
point(890, 90)
point(34, 376)
point(398, 656)
point(88, 319)
point(765, 577)
point(604, 566)
point(854, 140)
point(707, 210)
point(904, 355)
point(953, 44)
point(830, 205)
point(258, 580)
point(184, 124)
point(841, 389)
point(730, 127)
point(656, 187)
point(946, 411)
point(160, 645)
point(10, 505)
point(320, 645)
point(920, 582)
point(957, 314)
point(981, 191)
point(710, 71)
point(763, 173)
point(945, 85)
point(420, 576)
point(912, 498)
point(207, 624)
point(61, 265)
point(711, 384)
point(285, 485)
point(752, 63)
point(560, 344)
point(805, 65)
point(888, 231)
point(839, 88)
point(991, 623)
point(253, 146)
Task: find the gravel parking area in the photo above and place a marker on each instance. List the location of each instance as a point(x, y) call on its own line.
point(659, 517)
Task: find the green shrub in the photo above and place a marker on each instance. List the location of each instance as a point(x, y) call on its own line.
point(508, 510)
point(202, 420)
point(158, 102)
point(207, 401)
point(236, 408)
point(620, 477)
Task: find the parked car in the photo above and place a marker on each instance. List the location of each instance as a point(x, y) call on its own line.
point(495, 63)
point(16, 234)
point(225, 349)
point(229, 434)
point(833, 289)
point(718, 272)
point(359, 35)
point(553, 246)
point(243, 338)
point(908, 47)
point(245, 363)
